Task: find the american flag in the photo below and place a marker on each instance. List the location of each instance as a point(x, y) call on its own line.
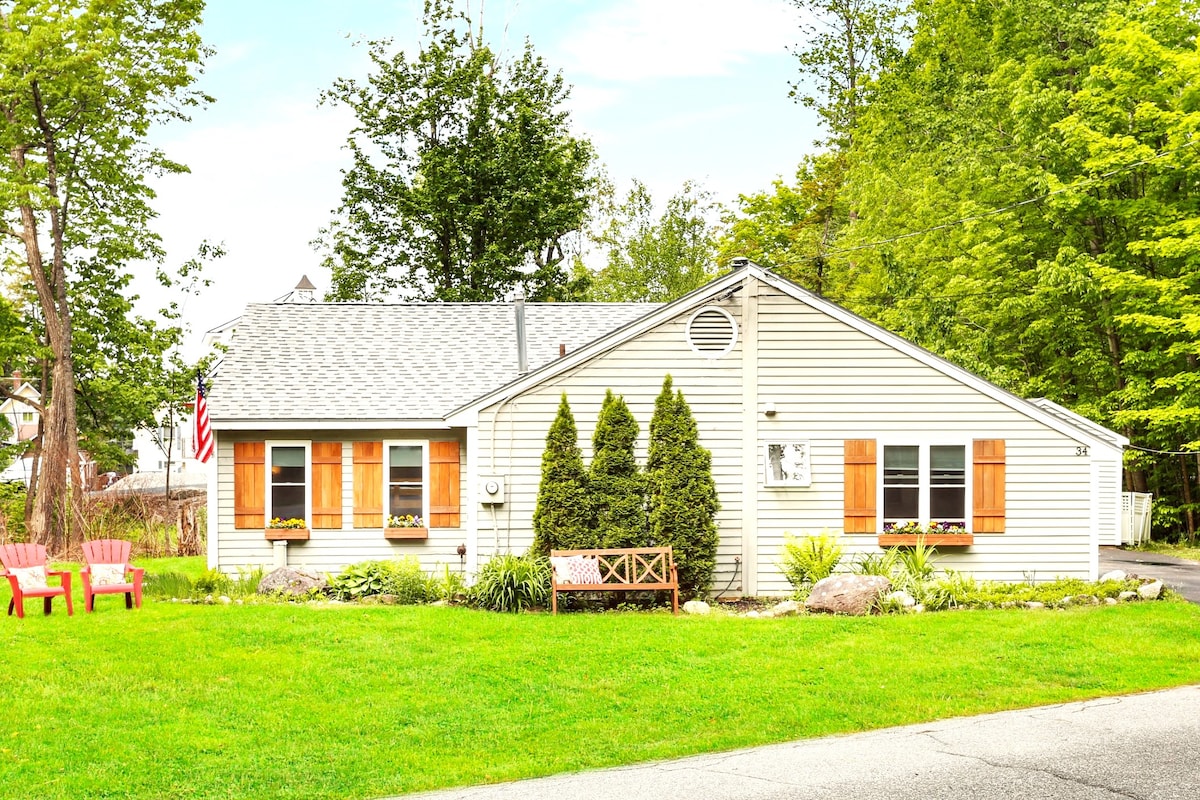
point(203, 441)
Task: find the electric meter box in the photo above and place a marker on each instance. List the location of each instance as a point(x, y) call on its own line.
point(491, 490)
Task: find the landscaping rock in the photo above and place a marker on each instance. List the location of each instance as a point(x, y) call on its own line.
point(1127, 596)
point(752, 615)
point(1110, 601)
point(788, 608)
point(1150, 591)
point(696, 607)
point(224, 600)
point(847, 594)
point(901, 598)
point(1117, 575)
point(389, 599)
point(1034, 604)
point(919, 608)
point(289, 580)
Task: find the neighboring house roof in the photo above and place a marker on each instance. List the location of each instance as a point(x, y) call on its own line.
point(365, 364)
point(1112, 437)
point(26, 390)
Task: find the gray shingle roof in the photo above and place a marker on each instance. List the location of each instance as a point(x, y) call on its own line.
point(390, 361)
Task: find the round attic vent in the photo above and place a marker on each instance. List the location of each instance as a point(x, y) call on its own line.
point(712, 332)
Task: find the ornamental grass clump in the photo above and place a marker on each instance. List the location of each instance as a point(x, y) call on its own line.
point(512, 583)
point(809, 559)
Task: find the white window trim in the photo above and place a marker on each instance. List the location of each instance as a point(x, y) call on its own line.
point(806, 477)
point(269, 512)
point(924, 443)
point(387, 501)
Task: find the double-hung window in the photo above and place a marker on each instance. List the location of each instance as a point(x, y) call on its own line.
point(924, 484)
point(287, 481)
point(407, 466)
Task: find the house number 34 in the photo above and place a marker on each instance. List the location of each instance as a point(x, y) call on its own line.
point(1081, 451)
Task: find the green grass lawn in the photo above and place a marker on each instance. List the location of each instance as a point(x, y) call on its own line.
point(318, 701)
point(1177, 550)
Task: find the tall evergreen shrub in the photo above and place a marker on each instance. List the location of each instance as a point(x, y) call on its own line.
point(562, 519)
point(681, 494)
point(614, 480)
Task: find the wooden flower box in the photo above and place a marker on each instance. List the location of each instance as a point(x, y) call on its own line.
point(931, 539)
point(286, 534)
point(405, 534)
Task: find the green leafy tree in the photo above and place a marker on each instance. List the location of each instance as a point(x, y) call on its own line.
point(563, 516)
point(657, 260)
point(847, 43)
point(1062, 137)
point(791, 229)
point(466, 180)
point(81, 83)
point(681, 494)
point(615, 483)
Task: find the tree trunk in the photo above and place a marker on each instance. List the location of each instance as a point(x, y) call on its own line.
point(1189, 515)
point(60, 485)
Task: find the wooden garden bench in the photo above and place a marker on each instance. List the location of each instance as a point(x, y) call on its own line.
point(618, 569)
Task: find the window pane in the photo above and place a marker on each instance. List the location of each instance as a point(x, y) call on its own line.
point(405, 456)
point(287, 465)
point(287, 457)
point(405, 500)
point(947, 465)
point(900, 502)
point(287, 502)
point(901, 465)
point(404, 475)
point(946, 504)
point(404, 464)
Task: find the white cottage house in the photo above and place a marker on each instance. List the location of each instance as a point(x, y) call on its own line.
point(343, 415)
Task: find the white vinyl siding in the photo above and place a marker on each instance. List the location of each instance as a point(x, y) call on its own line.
point(512, 445)
point(329, 550)
point(830, 382)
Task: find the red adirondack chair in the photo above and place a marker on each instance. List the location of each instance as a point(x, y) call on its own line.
point(107, 571)
point(26, 563)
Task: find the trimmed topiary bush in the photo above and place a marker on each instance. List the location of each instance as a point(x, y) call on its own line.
point(681, 494)
point(615, 483)
point(563, 517)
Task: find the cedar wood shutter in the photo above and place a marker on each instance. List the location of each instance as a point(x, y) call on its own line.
point(859, 492)
point(444, 491)
point(327, 485)
point(368, 484)
point(249, 481)
point(989, 486)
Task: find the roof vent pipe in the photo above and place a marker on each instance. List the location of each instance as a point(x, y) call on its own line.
point(519, 308)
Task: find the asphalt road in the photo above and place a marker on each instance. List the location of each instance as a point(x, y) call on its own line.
point(1137, 746)
point(1181, 575)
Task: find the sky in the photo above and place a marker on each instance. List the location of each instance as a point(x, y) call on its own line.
point(666, 90)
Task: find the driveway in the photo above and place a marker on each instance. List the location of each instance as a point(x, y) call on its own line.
point(1140, 746)
point(1180, 574)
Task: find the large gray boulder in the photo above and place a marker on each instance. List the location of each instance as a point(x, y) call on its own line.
point(847, 594)
point(1150, 591)
point(290, 580)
